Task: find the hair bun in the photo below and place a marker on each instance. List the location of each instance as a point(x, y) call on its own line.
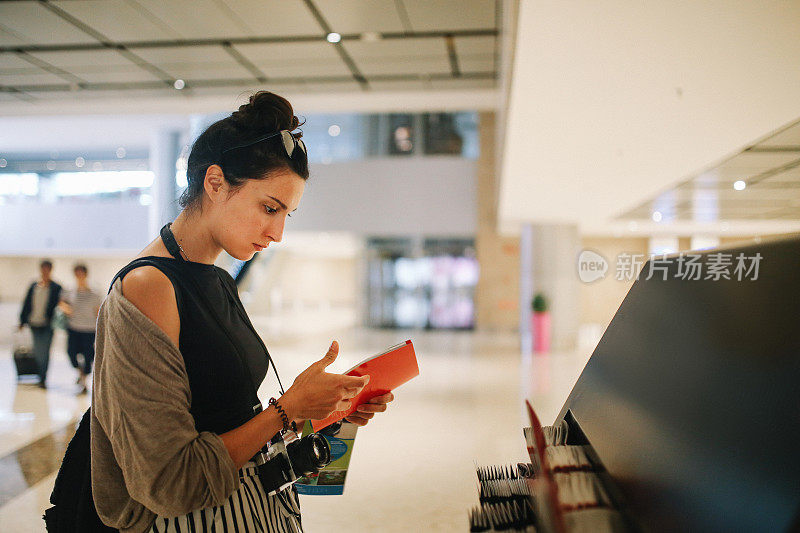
point(265, 112)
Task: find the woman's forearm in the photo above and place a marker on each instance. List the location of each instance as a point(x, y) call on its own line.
point(245, 441)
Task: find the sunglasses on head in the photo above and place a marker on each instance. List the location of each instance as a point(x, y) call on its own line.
point(289, 142)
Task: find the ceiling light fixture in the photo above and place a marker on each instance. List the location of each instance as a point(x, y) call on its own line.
point(79, 162)
point(121, 152)
point(333, 37)
point(3, 162)
point(739, 185)
point(657, 216)
point(334, 130)
point(179, 84)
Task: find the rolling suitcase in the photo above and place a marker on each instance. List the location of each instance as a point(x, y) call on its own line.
point(23, 355)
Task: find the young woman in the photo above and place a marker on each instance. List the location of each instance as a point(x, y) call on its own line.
point(81, 305)
point(174, 426)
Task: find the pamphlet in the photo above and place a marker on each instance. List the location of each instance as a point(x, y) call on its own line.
point(330, 479)
point(386, 371)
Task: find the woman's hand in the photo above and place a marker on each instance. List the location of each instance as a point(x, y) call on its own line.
point(315, 394)
point(362, 415)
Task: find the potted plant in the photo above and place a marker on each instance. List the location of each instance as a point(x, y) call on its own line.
point(540, 324)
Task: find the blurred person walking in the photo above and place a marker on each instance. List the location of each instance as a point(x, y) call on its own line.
point(37, 312)
point(81, 305)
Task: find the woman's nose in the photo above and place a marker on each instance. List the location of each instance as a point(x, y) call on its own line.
point(275, 230)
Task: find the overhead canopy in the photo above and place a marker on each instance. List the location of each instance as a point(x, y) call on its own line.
point(613, 102)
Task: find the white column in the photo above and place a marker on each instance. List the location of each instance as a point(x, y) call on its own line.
point(555, 253)
point(526, 282)
point(164, 152)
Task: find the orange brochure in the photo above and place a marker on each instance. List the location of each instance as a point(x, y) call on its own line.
point(386, 371)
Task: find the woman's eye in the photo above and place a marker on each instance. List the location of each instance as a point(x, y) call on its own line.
point(270, 210)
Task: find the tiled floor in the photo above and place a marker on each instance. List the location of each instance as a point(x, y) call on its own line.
point(413, 467)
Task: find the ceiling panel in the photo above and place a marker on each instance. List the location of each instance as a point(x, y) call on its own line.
point(35, 77)
point(83, 58)
point(9, 37)
point(295, 60)
point(400, 85)
point(12, 63)
point(32, 23)
point(475, 54)
point(274, 17)
point(196, 19)
point(400, 56)
point(199, 19)
point(120, 20)
point(788, 137)
point(749, 162)
point(339, 86)
point(463, 83)
point(97, 66)
point(450, 14)
point(359, 16)
point(196, 62)
point(131, 74)
point(297, 66)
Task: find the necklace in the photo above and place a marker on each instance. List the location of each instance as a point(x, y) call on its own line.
point(185, 255)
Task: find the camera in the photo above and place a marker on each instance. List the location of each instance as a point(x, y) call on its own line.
point(288, 457)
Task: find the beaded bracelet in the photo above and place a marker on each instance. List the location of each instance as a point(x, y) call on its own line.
point(286, 424)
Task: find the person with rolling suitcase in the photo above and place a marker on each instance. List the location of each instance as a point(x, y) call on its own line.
point(37, 312)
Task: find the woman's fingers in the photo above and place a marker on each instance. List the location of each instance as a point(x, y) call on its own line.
point(359, 419)
point(386, 398)
point(371, 408)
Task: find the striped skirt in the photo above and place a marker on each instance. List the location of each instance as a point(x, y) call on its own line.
point(248, 510)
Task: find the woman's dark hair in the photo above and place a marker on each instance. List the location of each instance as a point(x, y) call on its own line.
point(265, 113)
point(80, 267)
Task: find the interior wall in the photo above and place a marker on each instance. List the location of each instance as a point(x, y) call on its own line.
point(18, 272)
point(600, 299)
point(91, 226)
point(497, 292)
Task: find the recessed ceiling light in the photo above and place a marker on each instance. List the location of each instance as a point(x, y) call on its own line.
point(121, 152)
point(3, 162)
point(334, 130)
point(657, 216)
point(179, 84)
point(79, 162)
point(739, 185)
point(333, 37)
point(51, 165)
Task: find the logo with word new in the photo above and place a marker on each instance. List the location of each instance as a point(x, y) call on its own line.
point(591, 266)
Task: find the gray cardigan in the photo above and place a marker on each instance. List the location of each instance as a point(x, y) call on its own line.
point(147, 457)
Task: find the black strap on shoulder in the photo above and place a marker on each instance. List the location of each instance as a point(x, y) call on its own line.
point(136, 263)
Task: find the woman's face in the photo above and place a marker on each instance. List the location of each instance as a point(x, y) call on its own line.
point(253, 216)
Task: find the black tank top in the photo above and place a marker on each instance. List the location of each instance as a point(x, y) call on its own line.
point(214, 353)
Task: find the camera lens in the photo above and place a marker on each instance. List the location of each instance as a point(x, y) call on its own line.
point(309, 454)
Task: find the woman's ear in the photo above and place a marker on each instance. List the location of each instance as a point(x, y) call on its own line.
point(214, 183)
